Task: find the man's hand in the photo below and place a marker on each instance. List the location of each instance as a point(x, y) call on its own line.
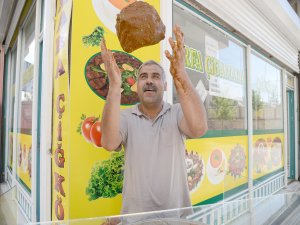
point(177, 61)
point(111, 67)
point(193, 123)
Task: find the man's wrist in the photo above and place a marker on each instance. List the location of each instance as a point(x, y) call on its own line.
point(114, 90)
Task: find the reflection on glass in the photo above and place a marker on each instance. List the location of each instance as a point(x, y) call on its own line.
point(216, 67)
point(11, 103)
point(266, 95)
point(272, 209)
point(267, 118)
point(24, 137)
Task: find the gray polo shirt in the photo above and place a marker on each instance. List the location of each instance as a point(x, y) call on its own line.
point(155, 176)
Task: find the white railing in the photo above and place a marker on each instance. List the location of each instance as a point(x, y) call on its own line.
point(22, 197)
point(24, 202)
point(268, 187)
point(235, 206)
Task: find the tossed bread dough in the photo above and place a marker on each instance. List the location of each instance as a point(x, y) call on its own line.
point(139, 25)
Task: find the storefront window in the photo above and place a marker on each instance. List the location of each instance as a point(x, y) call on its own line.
point(11, 103)
point(267, 117)
point(266, 95)
point(216, 66)
point(25, 111)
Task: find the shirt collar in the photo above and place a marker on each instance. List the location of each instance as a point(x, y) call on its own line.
point(135, 110)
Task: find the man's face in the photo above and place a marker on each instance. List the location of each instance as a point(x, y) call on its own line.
point(150, 85)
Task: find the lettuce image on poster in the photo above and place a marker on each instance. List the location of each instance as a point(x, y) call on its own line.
point(94, 38)
point(106, 179)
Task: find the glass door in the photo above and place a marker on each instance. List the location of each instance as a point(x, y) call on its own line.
point(291, 134)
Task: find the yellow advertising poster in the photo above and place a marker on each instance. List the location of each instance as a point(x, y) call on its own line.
point(61, 113)
point(267, 154)
point(216, 165)
point(95, 174)
point(24, 153)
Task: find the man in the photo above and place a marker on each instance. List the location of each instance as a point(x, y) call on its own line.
point(153, 132)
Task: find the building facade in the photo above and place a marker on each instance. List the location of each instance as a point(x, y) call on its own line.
point(242, 57)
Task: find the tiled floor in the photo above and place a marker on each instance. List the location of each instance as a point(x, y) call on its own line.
point(4, 187)
point(10, 214)
point(8, 207)
point(293, 186)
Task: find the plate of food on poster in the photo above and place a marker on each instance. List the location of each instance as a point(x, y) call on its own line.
point(97, 79)
point(276, 151)
point(216, 166)
point(260, 155)
point(237, 161)
point(195, 169)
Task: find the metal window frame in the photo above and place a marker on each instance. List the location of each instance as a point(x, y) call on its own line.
point(285, 127)
point(38, 38)
point(14, 23)
point(296, 116)
point(46, 112)
point(296, 88)
point(7, 113)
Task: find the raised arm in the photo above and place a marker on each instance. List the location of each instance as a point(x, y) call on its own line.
point(194, 122)
point(110, 124)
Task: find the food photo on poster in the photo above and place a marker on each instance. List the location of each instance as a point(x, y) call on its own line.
point(97, 78)
point(90, 129)
point(276, 151)
point(106, 180)
point(260, 155)
point(267, 154)
point(237, 161)
point(195, 169)
point(94, 38)
point(216, 166)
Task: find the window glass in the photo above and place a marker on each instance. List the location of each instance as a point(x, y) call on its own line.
point(268, 138)
point(216, 66)
point(266, 95)
point(24, 147)
point(26, 81)
point(11, 103)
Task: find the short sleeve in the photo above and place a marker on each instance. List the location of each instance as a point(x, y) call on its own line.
point(179, 116)
point(123, 127)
